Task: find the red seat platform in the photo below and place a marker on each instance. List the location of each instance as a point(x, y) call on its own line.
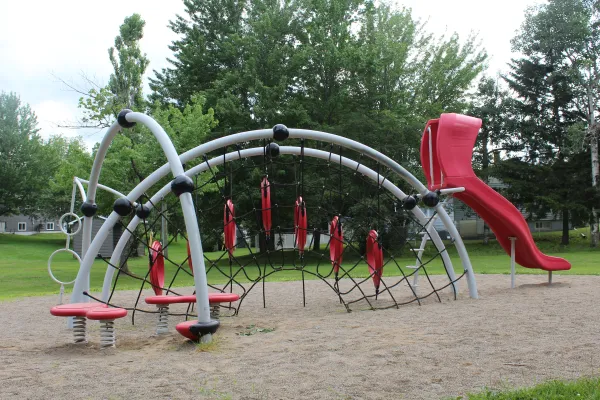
point(74, 309)
point(184, 329)
point(213, 298)
point(106, 313)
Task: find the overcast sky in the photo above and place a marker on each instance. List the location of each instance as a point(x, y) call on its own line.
point(67, 38)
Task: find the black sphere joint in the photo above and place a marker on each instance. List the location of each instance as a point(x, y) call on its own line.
point(204, 328)
point(142, 211)
point(89, 209)
point(123, 121)
point(410, 202)
point(182, 184)
point(431, 199)
point(272, 150)
point(123, 207)
point(280, 132)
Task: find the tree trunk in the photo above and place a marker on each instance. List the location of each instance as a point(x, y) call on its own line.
point(128, 251)
point(595, 174)
point(486, 234)
point(262, 242)
point(593, 131)
point(565, 228)
point(485, 163)
point(317, 239)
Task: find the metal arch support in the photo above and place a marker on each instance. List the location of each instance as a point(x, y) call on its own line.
point(174, 164)
point(258, 152)
point(265, 134)
point(100, 186)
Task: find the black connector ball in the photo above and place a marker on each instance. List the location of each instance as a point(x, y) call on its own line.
point(272, 150)
point(431, 199)
point(89, 209)
point(182, 184)
point(409, 203)
point(123, 121)
point(123, 207)
point(280, 132)
point(142, 211)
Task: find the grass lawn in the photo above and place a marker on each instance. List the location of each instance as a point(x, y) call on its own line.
point(584, 389)
point(23, 263)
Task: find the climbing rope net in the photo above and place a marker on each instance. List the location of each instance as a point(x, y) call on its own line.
point(320, 212)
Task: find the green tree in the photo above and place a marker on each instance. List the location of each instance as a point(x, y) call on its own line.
point(566, 35)
point(545, 92)
point(22, 162)
point(352, 67)
point(70, 158)
point(124, 90)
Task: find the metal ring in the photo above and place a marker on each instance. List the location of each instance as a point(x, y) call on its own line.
point(50, 263)
point(60, 224)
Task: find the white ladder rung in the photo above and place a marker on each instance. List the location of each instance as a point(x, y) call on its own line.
point(418, 249)
point(412, 267)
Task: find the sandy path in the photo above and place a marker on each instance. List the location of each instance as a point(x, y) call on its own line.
point(507, 338)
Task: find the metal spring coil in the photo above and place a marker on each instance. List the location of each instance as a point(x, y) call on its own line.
point(163, 319)
point(79, 329)
point(215, 311)
point(107, 333)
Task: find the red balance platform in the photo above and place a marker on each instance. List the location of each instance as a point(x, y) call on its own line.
point(213, 298)
point(74, 309)
point(184, 329)
point(106, 313)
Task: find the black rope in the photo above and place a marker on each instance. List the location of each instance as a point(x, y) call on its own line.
point(322, 201)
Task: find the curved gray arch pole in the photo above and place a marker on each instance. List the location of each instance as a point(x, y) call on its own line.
point(320, 136)
point(86, 235)
point(289, 150)
point(189, 214)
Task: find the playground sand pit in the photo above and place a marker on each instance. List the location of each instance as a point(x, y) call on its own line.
point(506, 338)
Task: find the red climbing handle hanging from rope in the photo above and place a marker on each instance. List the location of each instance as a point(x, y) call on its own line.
point(229, 226)
point(300, 224)
point(375, 259)
point(157, 267)
point(336, 244)
point(265, 196)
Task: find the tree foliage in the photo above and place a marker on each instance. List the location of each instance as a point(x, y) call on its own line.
point(23, 165)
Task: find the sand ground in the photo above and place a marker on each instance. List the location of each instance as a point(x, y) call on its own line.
point(506, 338)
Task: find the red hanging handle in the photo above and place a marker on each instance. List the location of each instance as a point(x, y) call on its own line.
point(336, 244)
point(375, 258)
point(265, 196)
point(300, 224)
point(157, 267)
point(229, 226)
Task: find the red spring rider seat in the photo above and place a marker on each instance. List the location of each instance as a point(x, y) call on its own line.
point(106, 316)
point(78, 311)
point(163, 302)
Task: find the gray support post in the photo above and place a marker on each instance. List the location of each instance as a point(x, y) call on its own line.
point(513, 277)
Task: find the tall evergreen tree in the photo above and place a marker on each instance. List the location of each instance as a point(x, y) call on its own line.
point(566, 34)
point(544, 87)
point(22, 161)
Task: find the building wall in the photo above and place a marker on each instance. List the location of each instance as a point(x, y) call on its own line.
point(108, 245)
point(10, 224)
point(471, 226)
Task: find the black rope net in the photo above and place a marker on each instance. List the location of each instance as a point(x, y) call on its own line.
point(323, 190)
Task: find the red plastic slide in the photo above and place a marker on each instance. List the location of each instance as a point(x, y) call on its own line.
point(452, 139)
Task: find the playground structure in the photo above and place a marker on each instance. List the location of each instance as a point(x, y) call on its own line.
point(446, 158)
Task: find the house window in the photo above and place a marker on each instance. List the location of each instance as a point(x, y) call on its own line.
point(22, 226)
point(49, 226)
